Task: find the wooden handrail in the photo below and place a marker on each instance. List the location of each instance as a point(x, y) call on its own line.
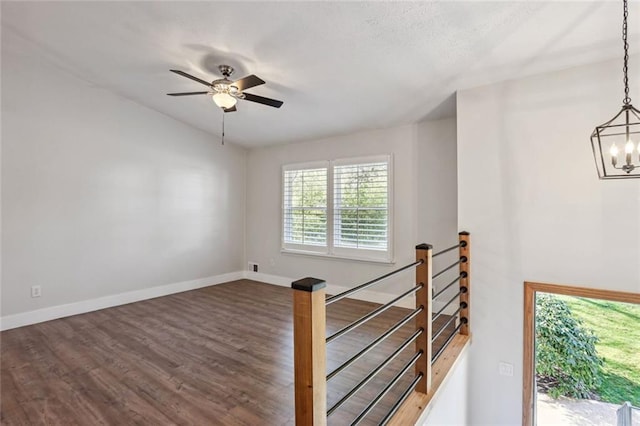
point(465, 281)
point(309, 351)
point(424, 273)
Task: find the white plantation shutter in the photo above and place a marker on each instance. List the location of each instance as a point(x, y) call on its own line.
point(305, 207)
point(339, 208)
point(361, 206)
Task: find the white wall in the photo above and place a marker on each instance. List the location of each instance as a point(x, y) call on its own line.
point(449, 405)
point(437, 182)
point(412, 172)
point(102, 196)
point(530, 196)
point(437, 190)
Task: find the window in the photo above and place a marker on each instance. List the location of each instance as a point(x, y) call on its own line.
point(305, 208)
point(338, 208)
point(593, 297)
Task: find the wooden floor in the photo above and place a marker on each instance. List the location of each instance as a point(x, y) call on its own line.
point(220, 355)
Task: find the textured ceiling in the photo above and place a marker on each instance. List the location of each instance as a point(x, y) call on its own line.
point(339, 67)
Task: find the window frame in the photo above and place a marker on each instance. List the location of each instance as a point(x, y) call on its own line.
point(330, 251)
point(531, 289)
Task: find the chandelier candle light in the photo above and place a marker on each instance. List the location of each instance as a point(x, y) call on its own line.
point(622, 130)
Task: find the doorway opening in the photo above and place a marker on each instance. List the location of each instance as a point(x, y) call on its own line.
point(581, 360)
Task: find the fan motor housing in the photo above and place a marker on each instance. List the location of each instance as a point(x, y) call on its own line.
point(226, 70)
point(224, 85)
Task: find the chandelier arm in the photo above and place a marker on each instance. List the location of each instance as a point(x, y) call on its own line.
point(621, 133)
point(604, 167)
point(612, 120)
point(618, 167)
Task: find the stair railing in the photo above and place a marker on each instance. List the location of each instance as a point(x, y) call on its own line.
point(310, 340)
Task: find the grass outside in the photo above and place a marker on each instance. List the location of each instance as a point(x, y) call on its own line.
point(617, 326)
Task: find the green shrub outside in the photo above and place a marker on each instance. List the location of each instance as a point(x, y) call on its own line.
point(566, 357)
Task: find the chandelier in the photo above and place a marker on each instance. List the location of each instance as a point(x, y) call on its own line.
point(621, 134)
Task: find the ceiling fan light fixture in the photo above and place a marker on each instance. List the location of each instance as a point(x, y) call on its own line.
point(225, 92)
point(224, 100)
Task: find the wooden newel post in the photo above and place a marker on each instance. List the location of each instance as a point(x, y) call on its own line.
point(465, 281)
point(424, 274)
point(309, 352)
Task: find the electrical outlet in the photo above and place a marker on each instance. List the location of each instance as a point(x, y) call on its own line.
point(505, 369)
point(36, 291)
point(253, 266)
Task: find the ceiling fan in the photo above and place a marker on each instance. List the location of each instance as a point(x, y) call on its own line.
point(225, 92)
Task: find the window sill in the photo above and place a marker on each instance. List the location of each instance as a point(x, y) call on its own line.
point(335, 256)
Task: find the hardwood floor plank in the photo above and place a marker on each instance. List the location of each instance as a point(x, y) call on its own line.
point(221, 355)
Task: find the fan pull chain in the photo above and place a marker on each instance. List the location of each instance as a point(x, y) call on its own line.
point(223, 128)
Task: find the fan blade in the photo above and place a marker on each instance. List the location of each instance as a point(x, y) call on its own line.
point(232, 109)
point(187, 93)
point(262, 100)
point(184, 74)
point(248, 82)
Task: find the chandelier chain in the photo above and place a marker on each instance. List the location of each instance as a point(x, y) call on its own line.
point(625, 68)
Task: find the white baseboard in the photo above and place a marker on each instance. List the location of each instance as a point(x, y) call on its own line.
point(54, 312)
point(366, 295)
point(269, 279)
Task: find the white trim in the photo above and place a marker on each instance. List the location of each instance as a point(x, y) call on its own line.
point(336, 256)
point(331, 187)
point(54, 312)
point(60, 311)
point(348, 161)
point(312, 249)
point(365, 295)
point(307, 165)
point(269, 279)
